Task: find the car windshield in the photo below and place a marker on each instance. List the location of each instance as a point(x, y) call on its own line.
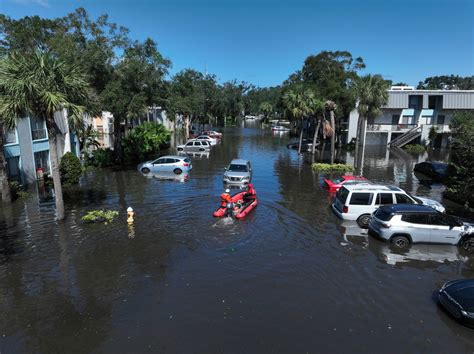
point(337, 180)
point(440, 168)
point(419, 201)
point(238, 168)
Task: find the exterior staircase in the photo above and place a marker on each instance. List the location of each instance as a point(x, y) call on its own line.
point(405, 138)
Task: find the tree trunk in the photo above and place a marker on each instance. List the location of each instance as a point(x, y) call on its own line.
point(333, 136)
point(301, 135)
point(315, 136)
point(356, 154)
point(117, 139)
point(4, 185)
point(53, 153)
point(186, 126)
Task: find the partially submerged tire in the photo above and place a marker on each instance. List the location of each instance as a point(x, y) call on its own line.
point(467, 243)
point(363, 221)
point(145, 170)
point(177, 171)
point(401, 242)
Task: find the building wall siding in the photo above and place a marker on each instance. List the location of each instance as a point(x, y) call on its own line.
point(458, 100)
point(398, 100)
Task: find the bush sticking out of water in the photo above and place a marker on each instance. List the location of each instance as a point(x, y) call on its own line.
point(414, 148)
point(335, 167)
point(105, 216)
point(70, 168)
point(18, 191)
point(100, 158)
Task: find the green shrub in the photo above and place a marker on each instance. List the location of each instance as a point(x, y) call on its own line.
point(100, 158)
point(105, 216)
point(145, 140)
point(70, 168)
point(18, 191)
point(414, 148)
point(336, 167)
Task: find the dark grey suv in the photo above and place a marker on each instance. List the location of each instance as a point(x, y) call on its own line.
point(402, 224)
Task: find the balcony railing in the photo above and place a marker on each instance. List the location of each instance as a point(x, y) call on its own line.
point(389, 127)
point(39, 134)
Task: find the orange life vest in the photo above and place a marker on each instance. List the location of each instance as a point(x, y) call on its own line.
point(225, 198)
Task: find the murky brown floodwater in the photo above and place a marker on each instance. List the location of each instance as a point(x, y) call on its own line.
point(289, 278)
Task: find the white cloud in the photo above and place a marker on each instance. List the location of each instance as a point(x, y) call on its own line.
point(42, 3)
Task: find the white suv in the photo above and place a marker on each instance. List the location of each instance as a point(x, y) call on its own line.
point(359, 201)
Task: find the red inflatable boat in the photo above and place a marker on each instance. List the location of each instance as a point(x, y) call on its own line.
point(242, 211)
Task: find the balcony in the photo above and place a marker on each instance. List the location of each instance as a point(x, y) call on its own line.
point(389, 127)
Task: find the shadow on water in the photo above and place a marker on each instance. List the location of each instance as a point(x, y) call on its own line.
point(180, 280)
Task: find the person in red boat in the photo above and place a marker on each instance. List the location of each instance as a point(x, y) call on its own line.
point(251, 194)
point(226, 198)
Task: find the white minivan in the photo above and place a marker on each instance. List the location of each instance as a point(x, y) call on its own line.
point(359, 201)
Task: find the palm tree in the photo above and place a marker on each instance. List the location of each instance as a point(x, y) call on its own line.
point(4, 185)
point(371, 92)
point(266, 108)
point(331, 107)
point(40, 85)
point(299, 102)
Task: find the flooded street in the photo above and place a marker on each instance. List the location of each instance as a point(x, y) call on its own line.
point(289, 278)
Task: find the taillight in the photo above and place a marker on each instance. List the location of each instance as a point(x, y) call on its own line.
point(345, 209)
point(185, 164)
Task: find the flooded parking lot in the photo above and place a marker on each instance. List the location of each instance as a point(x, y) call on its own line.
point(290, 277)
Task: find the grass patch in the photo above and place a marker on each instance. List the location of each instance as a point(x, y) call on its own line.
point(414, 148)
point(335, 167)
point(105, 216)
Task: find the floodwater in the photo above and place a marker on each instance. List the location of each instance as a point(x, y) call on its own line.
point(290, 278)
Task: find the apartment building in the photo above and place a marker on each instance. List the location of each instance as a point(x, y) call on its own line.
point(410, 114)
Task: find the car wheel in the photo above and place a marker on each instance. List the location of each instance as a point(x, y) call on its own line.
point(177, 171)
point(201, 149)
point(363, 221)
point(467, 243)
point(400, 241)
point(145, 170)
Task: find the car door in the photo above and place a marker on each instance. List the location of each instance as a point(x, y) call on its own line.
point(417, 226)
point(442, 231)
point(158, 165)
point(382, 198)
point(189, 146)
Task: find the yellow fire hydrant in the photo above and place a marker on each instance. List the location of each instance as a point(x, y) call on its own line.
point(130, 215)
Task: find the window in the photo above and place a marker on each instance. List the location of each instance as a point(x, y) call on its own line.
point(383, 215)
point(415, 218)
point(438, 220)
point(38, 128)
point(42, 160)
point(159, 162)
point(415, 101)
point(440, 120)
point(238, 168)
point(13, 164)
point(435, 102)
point(384, 198)
point(191, 143)
point(403, 199)
point(342, 194)
point(9, 137)
point(395, 119)
point(197, 143)
point(361, 198)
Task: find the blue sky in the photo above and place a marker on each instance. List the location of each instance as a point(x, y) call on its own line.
point(264, 41)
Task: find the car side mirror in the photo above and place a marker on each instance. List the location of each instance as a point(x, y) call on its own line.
point(225, 168)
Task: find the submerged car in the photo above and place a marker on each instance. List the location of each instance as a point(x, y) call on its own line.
point(335, 184)
point(171, 163)
point(457, 297)
point(238, 172)
point(194, 145)
point(403, 224)
point(212, 134)
point(435, 170)
point(306, 145)
point(207, 138)
point(359, 201)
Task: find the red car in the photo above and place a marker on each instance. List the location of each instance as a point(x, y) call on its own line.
point(334, 185)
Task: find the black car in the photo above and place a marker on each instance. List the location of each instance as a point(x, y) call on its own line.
point(306, 145)
point(434, 170)
point(457, 297)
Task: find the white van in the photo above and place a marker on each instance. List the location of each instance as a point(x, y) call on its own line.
point(359, 201)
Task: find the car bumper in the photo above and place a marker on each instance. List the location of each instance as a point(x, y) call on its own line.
point(452, 308)
point(235, 182)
